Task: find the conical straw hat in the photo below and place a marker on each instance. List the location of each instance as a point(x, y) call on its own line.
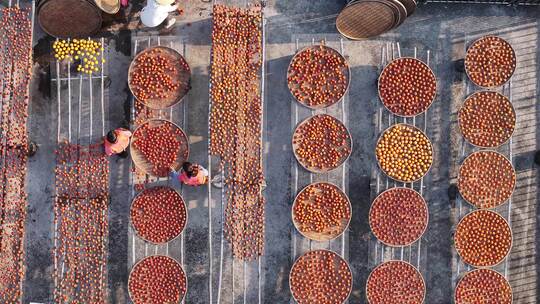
point(108, 6)
point(165, 2)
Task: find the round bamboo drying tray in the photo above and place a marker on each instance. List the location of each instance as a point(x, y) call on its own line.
point(501, 72)
point(466, 256)
point(325, 169)
point(498, 293)
point(474, 136)
point(425, 221)
point(147, 167)
point(477, 181)
point(345, 69)
point(69, 18)
point(336, 257)
point(180, 75)
point(181, 296)
point(407, 300)
point(365, 19)
point(144, 192)
point(388, 70)
point(331, 232)
point(410, 5)
point(417, 130)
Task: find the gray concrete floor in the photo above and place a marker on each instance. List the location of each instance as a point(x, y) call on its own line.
point(443, 29)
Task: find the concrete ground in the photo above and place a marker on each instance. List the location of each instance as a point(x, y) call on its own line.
point(442, 29)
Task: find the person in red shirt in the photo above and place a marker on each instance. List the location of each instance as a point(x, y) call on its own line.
point(117, 142)
point(191, 174)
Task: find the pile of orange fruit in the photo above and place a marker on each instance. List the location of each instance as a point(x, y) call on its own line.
point(318, 76)
point(157, 280)
point(162, 146)
point(486, 179)
point(85, 52)
point(321, 277)
point(404, 153)
point(158, 214)
point(398, 216)
point(395, 282)
point(407, 87)
point(321, 143)
point(490, 61)
point(483, 286)
point(487, 119)
point(483, 238)
point(321, 211)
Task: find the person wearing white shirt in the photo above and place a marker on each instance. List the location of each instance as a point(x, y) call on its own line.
point(157, 11)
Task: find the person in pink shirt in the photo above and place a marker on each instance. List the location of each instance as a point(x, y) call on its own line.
point(117, 142)
point(191, 174)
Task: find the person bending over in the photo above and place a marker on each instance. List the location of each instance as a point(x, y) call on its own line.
point(117, 142)
point(191, 174)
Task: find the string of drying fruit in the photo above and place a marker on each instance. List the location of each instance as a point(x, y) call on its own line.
point(15, 69)
point(235, 123)
point(80, 220)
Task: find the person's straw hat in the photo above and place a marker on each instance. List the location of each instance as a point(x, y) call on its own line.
point(164, 2)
